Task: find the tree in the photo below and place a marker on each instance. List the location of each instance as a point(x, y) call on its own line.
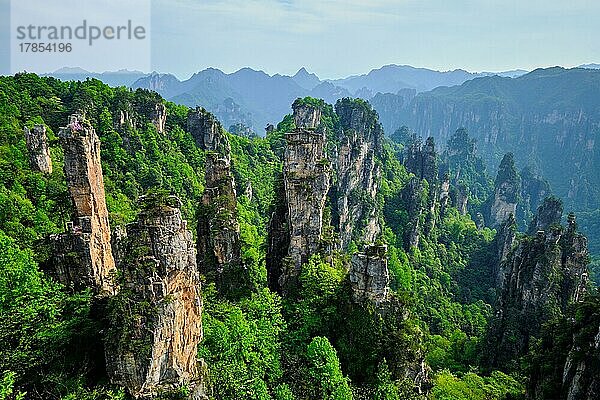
point(324, 371)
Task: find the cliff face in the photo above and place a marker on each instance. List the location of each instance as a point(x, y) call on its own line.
point(553, 127)
point(549, 213)
point(218, 229)
point(158, 117)
point(414, 202)
point(208, 132)
point(37, 146)
point(543, 275)
point(504, 242)
point(155, 320)
point(369, 275)
point(581, 373)
point(506, 193)
point(358, 174)
point(83, 255)
point(306, 181)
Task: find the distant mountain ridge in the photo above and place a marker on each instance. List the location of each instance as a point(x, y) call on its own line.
point(256, 99)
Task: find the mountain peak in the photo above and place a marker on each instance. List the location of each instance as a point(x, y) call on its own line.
point(305, 79)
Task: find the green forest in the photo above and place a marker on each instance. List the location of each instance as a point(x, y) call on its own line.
point(447, 329)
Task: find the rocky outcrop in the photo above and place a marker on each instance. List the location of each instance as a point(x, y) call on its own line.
point(83, 255)
point(503, 242)
point(567, 362)
point(159, 117)
point(581, 374)
point(544, 274)
point(297, 221)
point(549, 213)
point(37, 147)
point(155, 320)
point(421, 160)
point(306, 179)
point(358, 174)
point(369, 275)
point(208, 132)
point(507, 188)
point(219, 244)
point(414, 202)
point(461, 199)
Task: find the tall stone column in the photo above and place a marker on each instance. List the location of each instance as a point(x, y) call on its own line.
point(83, 255)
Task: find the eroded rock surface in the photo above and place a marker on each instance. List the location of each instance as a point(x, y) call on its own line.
point(83, 255)
point(544, 274)
point(156, 326)
point(219, 244)
point(358, 173)
point(369, 274)
point(507, 189)
point(37, 146)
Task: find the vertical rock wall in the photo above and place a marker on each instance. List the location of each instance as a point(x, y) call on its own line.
point(219, 244)
point(37, 146)
point(83, 255)
point(306, 180)
point(358, 174)
point(156, 326)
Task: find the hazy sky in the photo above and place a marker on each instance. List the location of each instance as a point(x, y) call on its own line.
point(338, 38)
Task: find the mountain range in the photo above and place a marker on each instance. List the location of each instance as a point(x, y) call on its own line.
point(256, 99)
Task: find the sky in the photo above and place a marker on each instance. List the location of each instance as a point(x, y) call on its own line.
point(336, 38)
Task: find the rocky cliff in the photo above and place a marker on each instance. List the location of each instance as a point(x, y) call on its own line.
point(369, 275)
point(83, 255)
point(544, 274)
point(306, 182)
point(37, 146)
point(507, 188)
point(155, 320)
point(360, 142)
point(218, 229)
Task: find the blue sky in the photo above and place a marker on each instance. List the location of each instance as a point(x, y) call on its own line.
point(338, 38)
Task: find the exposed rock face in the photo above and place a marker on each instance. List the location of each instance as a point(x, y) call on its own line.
point(507, 188)
point(218, 230)
point(156, 325)
point(37, 146)
point(568, 367)
point(358, 174)
point(369, 275)
point(306, 179)
point(412, 198)
point(544, 274)
point(461, 199)
point(297, 222)
point(444, 197)
point(504, 242)
point(208, 132)
point(306, 116)
point(548, 214)
point(159, 117)
point(83, 255)
point(534, 189)
point(421, 160)
point(581, 375)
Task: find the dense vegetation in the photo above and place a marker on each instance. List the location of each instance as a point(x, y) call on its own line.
point(316, 345)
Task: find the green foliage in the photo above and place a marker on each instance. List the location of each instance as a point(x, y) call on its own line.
point(7, 383)
point(385, 388)
point(39, 322)
point(470, 386)
point(242, 346)
point(327, 380)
